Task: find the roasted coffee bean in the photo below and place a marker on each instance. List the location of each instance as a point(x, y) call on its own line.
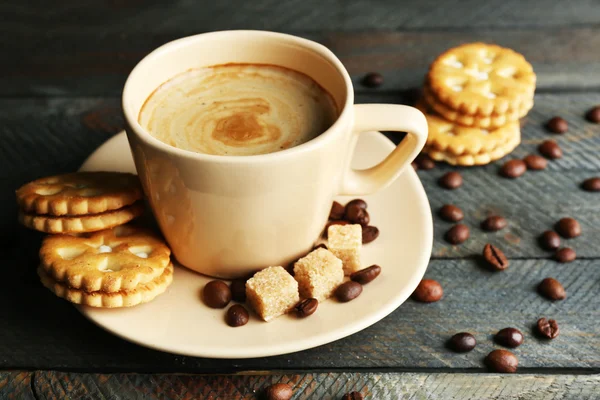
point(547, 328)
point(335, 222)
point(360, 203)
point(550, 149)
point(509, 337)
point(593, 115)
point(373, 80)
point(357, 215)
point(352, 396)
point(457, 234)
point(513, 169)
point(451, 180)
point(428, 291)
point(565, 255)
point(237, 315)
point(462, 342)
point(557, 125)
point(552, 289)
point(369, 233)
point(495, 257)
point(279, 391)
point(494, 223)
point(238, 290)
point(424, 162)
point(366, 275)
point(451, 213)
point(550, 240)
point(568, 228)
point(502, 361)
point(591, 184)
point(337, 211)
point(306, 307)
point(535, 162)
point(216, 294)
point(348, 291)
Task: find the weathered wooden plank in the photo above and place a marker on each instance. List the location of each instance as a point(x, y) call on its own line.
point(311, 15)
point(42, 137)
point(98, 62)
point(42, 331)
point(407, 386)
point(16, 385)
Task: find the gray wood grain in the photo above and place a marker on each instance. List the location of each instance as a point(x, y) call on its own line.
point(16, 385)
point(126, 17)
point(44, 332)
point(383, 386)
point(98, 62)
point(42, 137)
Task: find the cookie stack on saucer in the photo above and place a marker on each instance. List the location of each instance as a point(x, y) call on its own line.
point(91, 257)
point(474, 96)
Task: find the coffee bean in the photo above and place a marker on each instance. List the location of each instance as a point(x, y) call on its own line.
point(306, 307)
point(279, 391)
point(424, 162)
point(550, 149)
point(550, 240)
point(237, 315)
point(360, 203)
point(552, 289)
point(373, 80)
point(495, 257)
point(565, 255)
point(451, 180)
point(513, 169)
point(494, 223)
point(502, 361)
point(366, 275)
point(568, 228)
point(535, 162)
point(352, 396)
point(462, 342)
point(593, 115)
point(369, 233)
point(216, 294)
point(238, 290)
point(547, 328)
point(337, 211)
point(509, 337)
point(557, 125)
point(451, 213)
point(357, 215)
point(591, 184)
point(428, 291)
point(336, 222)
point(457, 234)
point(348, 291)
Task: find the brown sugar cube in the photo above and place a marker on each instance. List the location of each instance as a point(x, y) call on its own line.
point(272, 292)
point(345, 242)
point(318, 274)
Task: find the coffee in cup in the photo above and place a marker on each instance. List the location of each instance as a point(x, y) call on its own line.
point(238, 110)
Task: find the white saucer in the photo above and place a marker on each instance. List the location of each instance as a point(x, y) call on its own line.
point(178, 321)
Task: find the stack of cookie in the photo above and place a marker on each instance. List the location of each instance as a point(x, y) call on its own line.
point(93, 258)
point(474, 97)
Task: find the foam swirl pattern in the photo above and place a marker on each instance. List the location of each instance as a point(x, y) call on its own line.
point(238, 109)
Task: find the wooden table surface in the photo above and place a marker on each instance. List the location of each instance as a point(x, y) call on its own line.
point(62, 71)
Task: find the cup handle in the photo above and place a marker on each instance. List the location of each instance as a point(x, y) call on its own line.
point(385, 117)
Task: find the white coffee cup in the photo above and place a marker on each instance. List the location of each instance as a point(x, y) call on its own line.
point(228, 216)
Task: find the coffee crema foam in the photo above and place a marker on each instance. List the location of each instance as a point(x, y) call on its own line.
point(238, 109)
